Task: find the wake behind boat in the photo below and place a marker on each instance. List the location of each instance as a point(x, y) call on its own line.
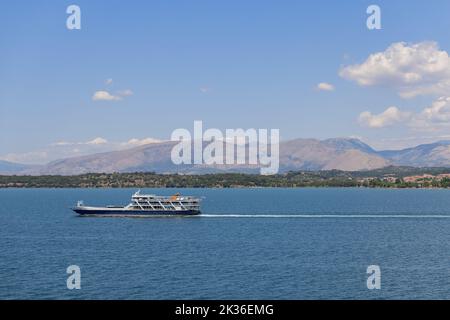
point(146, 205)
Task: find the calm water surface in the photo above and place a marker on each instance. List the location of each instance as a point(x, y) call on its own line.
point(249, 244)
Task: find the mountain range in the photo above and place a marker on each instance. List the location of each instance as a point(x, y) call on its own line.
point(299, 154)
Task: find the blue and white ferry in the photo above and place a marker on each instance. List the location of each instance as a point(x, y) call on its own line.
point(146, 205)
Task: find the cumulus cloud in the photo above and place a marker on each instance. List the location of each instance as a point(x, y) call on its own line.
point(102, 141)
point(103, 95)
point(97, 141)
point(140, 142)
point(412, 69)
point(323, 86)
point(390, 116)
point(439, 110)
point(61, 143)
point(435, 117)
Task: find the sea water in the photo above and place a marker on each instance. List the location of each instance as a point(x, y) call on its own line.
point(248, 244)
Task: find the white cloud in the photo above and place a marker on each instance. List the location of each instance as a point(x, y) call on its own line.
point(434, 117)
point(97, 141)
point(439, 111)
point(390, 116)
point(412, 69)
point(140, 142)
point(323, 86)
point(61, 143)
point(104, 96)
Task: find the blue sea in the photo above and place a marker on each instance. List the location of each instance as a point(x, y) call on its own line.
point(247, 244)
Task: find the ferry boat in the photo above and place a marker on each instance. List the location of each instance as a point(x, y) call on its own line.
point(146, 205)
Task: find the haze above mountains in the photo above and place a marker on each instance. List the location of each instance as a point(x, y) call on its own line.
point(299, 154)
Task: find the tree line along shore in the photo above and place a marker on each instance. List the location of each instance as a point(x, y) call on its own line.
point(389, 177)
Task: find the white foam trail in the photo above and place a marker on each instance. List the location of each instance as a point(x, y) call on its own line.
point(412, 216)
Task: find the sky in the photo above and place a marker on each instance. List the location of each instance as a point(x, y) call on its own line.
point(138, 70)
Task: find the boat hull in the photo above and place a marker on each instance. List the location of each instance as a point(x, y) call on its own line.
point(133, 213)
